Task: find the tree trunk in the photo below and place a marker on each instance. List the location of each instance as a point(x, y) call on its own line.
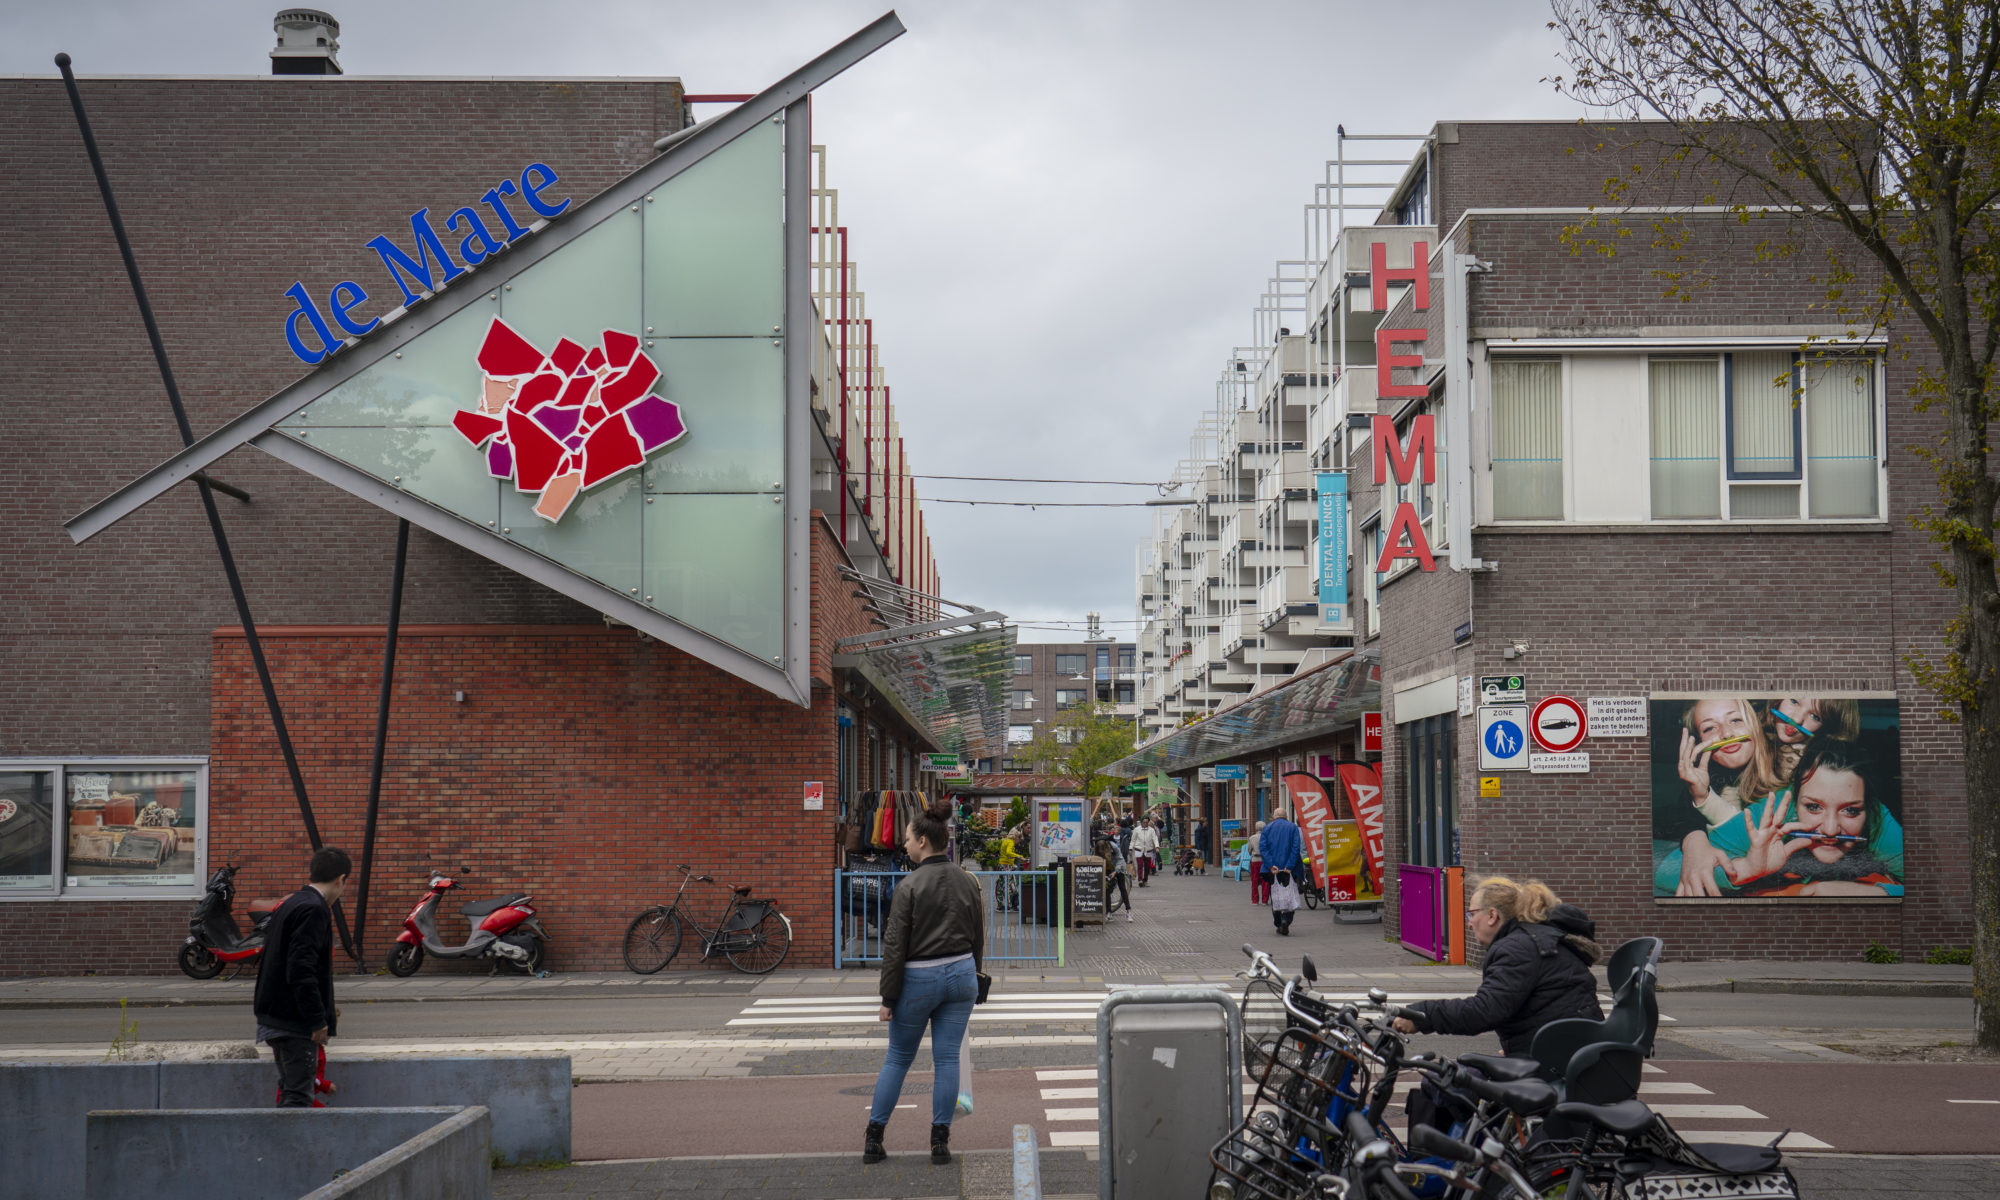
point(1969, 493)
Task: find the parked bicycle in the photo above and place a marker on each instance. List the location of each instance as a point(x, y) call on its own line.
point(1563, 1120)
point(752, 934)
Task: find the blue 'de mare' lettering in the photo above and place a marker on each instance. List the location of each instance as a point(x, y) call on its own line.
point(427, 264)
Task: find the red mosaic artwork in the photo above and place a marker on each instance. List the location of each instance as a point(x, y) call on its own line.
point(561, 422)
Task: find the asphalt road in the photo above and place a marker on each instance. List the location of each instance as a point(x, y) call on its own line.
point(1690, 1010)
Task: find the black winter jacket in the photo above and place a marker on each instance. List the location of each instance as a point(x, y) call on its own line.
point(1534, 974)
point(937, 912)
point(295, 973)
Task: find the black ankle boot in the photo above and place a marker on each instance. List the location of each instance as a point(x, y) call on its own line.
point(871, 1144)
point(940, 1144)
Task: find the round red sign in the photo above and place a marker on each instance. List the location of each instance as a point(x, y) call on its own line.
point(1557, 724)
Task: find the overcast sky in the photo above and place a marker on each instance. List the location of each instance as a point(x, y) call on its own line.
point(1063, 212)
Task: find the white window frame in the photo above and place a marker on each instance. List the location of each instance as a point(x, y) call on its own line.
point(60, 888)
point(1724, 367)
point(1369, 549)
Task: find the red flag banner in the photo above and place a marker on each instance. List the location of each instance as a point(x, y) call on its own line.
point(1313, 808)
point(1364, 795)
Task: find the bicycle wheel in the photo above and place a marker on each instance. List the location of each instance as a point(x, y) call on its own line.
point(652, 940)
point(759, 949)
point(1309, 894)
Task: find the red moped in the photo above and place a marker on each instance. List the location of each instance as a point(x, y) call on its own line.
point(214, 938)
point(507, 931)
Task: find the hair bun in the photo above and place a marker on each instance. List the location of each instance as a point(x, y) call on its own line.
point(939, 809)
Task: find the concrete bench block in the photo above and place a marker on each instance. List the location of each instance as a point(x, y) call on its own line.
point(362, 1153)
point(41, 1151)
point(527, 1097)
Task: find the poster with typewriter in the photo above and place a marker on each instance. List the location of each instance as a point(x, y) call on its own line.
point(1769, 795)
point(130, 828)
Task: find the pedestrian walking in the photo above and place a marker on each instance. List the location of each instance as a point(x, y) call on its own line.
point(1201, 840)
point(1115, 866)
point(293, 1000)
point(1539, 952)
point(1260, 886)
point(1146, 849)
point(1283, 850)
point(932, 950)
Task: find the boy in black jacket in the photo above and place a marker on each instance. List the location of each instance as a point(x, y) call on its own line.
point(293, 1002)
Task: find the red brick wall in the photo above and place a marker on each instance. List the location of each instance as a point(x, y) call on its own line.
point(582, 766)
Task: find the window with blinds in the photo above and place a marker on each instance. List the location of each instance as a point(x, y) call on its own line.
point(1686, 442)
point(1841, 454)
point(1527, 440)
point(1759, 435)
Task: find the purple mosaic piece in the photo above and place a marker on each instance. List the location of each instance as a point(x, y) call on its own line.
point(574, 441)
point(655, 421)
point(500, 460)
point(560, 422)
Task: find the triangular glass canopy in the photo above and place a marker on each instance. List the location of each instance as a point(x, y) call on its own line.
point(677, 503)
point(617, 405)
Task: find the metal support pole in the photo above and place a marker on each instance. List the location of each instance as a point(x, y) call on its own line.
point(381, 739)
point(207, 494)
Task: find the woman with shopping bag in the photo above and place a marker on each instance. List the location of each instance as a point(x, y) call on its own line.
point(932, 948)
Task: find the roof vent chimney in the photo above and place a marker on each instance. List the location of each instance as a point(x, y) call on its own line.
point(307, 42)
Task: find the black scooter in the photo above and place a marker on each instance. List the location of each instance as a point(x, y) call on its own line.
point(214, 938)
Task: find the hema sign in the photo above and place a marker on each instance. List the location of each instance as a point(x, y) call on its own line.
point(618, 407)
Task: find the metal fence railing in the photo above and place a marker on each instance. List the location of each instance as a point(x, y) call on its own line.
point(1024, 915)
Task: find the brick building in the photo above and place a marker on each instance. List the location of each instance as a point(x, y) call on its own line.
point(544, 730)
point(1680, 511)
point(1052, 677)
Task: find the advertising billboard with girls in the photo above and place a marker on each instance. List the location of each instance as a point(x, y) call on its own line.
point(1773, 795)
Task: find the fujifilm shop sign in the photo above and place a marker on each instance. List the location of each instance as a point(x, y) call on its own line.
point(423, 268)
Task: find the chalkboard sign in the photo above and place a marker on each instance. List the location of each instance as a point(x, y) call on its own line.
point(1088, 898)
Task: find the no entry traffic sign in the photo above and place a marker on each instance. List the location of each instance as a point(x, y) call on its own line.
point(1558, 724)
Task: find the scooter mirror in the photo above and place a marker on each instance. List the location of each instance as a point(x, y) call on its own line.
point(1311, 971)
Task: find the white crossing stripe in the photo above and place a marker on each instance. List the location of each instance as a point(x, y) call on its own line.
point(1048, 1076)
point(1972, 1102)
point(1672, 1087)
point(1016, 1015)
point(869, 1001)
point(1706, 1112)
point(1068, 1137)
point(1070, 1114)
point(1089, 1093)
point(1650, 1069)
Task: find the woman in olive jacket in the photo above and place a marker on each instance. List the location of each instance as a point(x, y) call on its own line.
point(1538, 958)
point(931, 953)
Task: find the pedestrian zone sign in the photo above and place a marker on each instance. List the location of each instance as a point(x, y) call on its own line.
point(1503, 738)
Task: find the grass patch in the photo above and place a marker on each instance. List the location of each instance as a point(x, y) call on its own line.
point(1878, 953)
point(1949, 956)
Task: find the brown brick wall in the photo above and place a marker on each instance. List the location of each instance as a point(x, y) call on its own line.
point(231, 190)
point(1637, 611)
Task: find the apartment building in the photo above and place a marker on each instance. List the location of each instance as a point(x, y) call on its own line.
point(1052, 677)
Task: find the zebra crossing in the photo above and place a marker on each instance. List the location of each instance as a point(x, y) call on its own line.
point(1694, 1111)
point(1021, 1008)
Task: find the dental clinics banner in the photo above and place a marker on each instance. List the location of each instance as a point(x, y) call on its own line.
point(1776, 796)
point(1333, 607)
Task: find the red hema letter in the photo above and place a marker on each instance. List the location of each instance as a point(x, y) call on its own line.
point(1386, 359)
point(1392, 454)
point(1405, 539)
point(1418, 273)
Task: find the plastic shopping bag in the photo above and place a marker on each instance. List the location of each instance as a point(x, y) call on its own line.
point(965, 1076)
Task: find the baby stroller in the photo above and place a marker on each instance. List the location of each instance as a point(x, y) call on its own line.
point(1186, 862)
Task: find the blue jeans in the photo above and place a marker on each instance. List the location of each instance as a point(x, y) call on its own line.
point(940, 997)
